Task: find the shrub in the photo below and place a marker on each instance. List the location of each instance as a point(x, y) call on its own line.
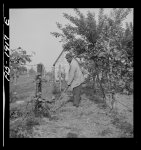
point(55, 90)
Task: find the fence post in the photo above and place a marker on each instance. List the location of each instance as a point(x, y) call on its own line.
point(39, 79)
point(60, 77)
point(53, 70)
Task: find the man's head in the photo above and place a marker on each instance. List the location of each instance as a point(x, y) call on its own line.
point(69, 57)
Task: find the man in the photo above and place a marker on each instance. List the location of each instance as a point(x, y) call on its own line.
point(75, 78)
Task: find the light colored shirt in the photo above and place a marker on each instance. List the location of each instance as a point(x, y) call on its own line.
point(75, 75)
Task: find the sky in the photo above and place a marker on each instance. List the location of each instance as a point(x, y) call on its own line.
point(30, 29)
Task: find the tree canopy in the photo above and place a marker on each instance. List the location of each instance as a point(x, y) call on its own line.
point(104, 41)
point(18, 60)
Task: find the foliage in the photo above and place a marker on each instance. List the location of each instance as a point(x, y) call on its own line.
point(22, 70)
point(49, 76)
point(32, 71)
point(55, 90)
point(105, 41)
point(62, 74)
point(18, 60)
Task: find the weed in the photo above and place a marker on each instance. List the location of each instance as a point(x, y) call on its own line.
point(125, 127)
point(72, 135)
point(105, 132)
point(22, 128)
point(55, 90)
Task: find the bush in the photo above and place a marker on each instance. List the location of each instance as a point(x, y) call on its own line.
point(41, 109)
point(55, 90)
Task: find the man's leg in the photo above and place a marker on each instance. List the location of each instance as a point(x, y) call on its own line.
point(76, 95)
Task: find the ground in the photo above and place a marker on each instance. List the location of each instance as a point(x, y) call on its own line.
point(92, 119)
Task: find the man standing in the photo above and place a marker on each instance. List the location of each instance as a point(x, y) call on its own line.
point(75, 78)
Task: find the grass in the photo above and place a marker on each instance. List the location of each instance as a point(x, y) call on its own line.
point(22, 116)
point(125, 127)
point(72, 135)
point(22, 121)
point(24, 88)
point(105, 132)
point(22, 128)
point(56, 92)
point(95, 96)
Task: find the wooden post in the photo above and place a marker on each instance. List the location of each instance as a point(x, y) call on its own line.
point(53, 71)
point(60, 77)
point(40, 69)
point(40, 107)
point(39, 79)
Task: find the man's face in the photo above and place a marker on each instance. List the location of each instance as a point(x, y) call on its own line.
point(69, 59)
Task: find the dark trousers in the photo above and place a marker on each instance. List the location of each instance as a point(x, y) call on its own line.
point(76, 95)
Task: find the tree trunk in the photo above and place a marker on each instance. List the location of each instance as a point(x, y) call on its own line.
point(94, 82)
point(101, 87)
point(94, 77)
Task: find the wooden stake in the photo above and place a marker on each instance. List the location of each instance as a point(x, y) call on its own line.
point(60, 77)
point(53, 70)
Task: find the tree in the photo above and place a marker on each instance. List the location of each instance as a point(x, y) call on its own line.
point(105, 42)
point(22, 70)
point(18, 60)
